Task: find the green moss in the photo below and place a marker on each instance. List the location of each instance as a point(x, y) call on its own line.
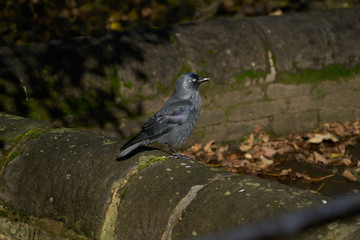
point(172, 40)
point(201, 134)
point(183, 214)
point(15, 154)
point(115, 83)
point(160, 87)
point(333, 72)
point(204, 62)
point(240, 77)
point(211, 51)
point(152, 160)
point(128, 84)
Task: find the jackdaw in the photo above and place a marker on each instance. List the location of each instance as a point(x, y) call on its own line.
point(174, 122)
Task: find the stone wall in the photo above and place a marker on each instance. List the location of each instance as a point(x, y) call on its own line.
point(285, 73)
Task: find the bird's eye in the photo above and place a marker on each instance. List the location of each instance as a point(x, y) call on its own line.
point(194, 80)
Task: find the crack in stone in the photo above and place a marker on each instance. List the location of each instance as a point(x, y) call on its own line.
point(108, 228)
point(183, 203)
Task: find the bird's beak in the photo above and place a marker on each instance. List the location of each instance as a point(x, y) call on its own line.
point(201, 80)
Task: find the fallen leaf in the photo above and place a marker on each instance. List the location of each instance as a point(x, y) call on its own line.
point(196, 147)
point(248, 156)
point(319, 158)
point(264, 162)
point(245, 147)
point(299, 175)
point(268, 151)
point(319, 138)
point(339, 130)
point(265, 138)
point(347, 174)
point(285, 172)
point(257, 129)
point(296, 146)
point(346, 161)
point(207, 147)
point(233, 157)
point(310, 159)
point(284, 149)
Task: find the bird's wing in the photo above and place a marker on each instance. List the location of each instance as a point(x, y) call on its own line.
point(172, 114)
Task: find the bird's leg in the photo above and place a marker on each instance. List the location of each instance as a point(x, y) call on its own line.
point(177, 154)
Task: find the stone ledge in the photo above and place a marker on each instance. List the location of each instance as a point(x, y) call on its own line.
point(70, 178)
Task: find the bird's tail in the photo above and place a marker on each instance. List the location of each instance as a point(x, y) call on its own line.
point(128, 149)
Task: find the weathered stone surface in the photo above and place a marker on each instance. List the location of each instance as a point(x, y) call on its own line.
point(10, 229)
point(282, 124)
point(211, 117)
point(257, 110)
point(231, 98)
point(222, 48)
point(304, 103)
point(147, 194)
point(303, 41)
point(277, 90)
point(338, 114)
point(67, 184)
point(236, 198)
point(340, 86)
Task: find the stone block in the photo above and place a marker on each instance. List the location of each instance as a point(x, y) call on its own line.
point(331, 114)
point(257, 110)
point(277, 90)
point(294, 122)
point(341, 99)
point(338, 86)
point(230, 98)
point(303, 103)
point(210, 117)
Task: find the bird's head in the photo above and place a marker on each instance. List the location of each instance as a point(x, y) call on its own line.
point(188, 83)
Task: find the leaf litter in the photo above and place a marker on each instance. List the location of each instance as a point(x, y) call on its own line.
point(263, 155)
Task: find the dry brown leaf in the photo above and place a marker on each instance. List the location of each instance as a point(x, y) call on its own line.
point(250, 141)
point(299, 175)
point(339, 130)
point(207, 147)
point(196, 147)
point(245, 163)
point(295, 146)
point(284, 149)
point(248, 156)
point(265, 138)
point(264, 162)
point(319, 138)
point(233, 157)
point(309, 159)
point(245, 147)
point(285, 172)
point(346, 161)
point(347, 174)
point(257, 129)
point(268, 152)
point(319, 158)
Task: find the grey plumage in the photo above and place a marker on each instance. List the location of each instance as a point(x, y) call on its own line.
point(173, 123)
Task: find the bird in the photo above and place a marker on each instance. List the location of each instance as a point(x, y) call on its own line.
point(176, 119)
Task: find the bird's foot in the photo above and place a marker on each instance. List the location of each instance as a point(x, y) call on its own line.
point(180, 156)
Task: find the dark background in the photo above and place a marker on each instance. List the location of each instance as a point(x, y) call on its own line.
point(43, 20)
